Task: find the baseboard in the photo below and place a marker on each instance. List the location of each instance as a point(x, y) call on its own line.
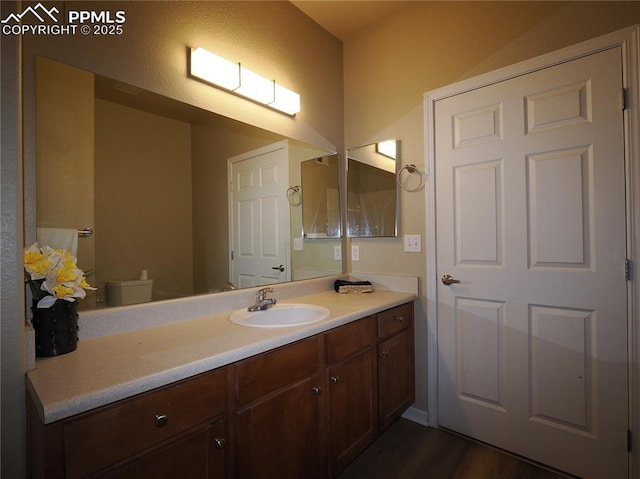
point(417, 415)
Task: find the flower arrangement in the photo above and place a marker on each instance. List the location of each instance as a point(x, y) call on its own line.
point(52, 274)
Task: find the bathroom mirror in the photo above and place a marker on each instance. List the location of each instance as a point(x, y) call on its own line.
point(372, 190)
point(149, 175)
point(320, 197)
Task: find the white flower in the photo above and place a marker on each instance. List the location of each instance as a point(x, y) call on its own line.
point(62, 278)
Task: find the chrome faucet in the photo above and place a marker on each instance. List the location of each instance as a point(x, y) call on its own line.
point(262, 302)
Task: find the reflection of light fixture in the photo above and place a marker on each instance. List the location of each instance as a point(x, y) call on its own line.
point(233, 77)
point(387, 148)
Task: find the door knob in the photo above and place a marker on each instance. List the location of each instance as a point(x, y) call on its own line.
point(279, 268)
point(447, 279)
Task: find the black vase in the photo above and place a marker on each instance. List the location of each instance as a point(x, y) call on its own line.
point(56, 328)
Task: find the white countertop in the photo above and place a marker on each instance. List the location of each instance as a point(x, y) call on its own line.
point(105, 369)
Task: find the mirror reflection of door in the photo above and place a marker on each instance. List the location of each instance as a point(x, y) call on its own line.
point(259, 216)
point(372, 197)
point(321, 198)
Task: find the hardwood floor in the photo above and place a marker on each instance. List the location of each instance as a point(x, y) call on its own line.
point(408, 450)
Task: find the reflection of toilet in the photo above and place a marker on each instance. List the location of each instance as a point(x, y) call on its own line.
point(121, 293)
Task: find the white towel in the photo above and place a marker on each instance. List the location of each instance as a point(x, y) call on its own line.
point(64, 238)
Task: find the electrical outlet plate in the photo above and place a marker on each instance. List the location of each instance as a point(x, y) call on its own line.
point(337, 253)
point(412, 243)
point(355, 253)
point(297, 244)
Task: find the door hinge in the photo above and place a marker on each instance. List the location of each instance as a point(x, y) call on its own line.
point(624, 95)
point(627, 269)
point(629, 444)
point(231, 255)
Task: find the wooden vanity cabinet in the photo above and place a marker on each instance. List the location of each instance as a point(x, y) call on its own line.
point(396, 362)
point(351, 385)
point(303, 410)
point(278, 427)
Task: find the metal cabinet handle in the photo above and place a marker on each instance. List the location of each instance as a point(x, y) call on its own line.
point(334, 379)
point(279, 268)
point(161, 420)
point(316, 390)
point(385, 352)
point(447, 280)
point(399, 318)
point(220, 442)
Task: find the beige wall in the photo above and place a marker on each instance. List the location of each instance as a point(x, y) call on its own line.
point(429, 45)
point(143, 199)
point(13, 354)
point(65, 164)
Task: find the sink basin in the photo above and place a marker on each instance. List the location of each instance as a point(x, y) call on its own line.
point(280, 316)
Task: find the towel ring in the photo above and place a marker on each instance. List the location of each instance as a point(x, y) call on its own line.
point(294, 195)
point(412, 169)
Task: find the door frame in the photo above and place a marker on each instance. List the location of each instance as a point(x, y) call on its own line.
point(629, 40)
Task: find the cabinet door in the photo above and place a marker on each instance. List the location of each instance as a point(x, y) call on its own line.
point(396, 383)
point(196, 456)
point(279, 435)
point(352, 408)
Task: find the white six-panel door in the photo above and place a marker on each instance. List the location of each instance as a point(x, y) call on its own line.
point(259, 216)
point(530, 219)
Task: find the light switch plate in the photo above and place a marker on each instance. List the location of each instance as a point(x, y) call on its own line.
point(337, 253)
point(355, 253)
point(297, 244)
point(412, 243)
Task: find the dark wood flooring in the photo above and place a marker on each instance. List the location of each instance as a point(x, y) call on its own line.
point(410, 451)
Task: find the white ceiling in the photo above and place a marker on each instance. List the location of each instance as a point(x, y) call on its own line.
point(346, 18)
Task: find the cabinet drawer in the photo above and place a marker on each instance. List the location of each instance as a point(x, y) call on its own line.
point(267, 372)
point(395, 319)
point(194, 456)
point(111, 434)
point(346, 340)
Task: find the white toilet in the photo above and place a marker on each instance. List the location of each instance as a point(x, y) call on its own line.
point(134, 291)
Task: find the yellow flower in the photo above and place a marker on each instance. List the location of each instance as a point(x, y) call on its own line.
point(83, 283)
point(36, 262)
point(68, 261)
point(61, 291)
point(64, 275)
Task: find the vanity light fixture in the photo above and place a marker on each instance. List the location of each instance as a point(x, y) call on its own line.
point(234, 77)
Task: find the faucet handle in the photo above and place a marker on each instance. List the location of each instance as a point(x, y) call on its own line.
point(262, 293)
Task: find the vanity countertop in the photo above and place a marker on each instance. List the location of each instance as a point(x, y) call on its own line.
point(106, 369)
